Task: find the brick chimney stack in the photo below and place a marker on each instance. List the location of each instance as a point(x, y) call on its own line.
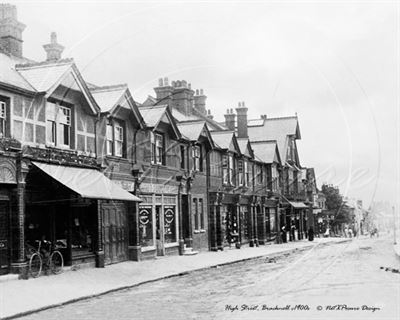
point(10, 31)
point(209, 115)
point(53, 49)
point(242, 120)
point(182, 97)
point(230, 119)
point(163, 91)
point(200, 102)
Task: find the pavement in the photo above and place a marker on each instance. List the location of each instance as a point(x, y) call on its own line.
point(22, 297)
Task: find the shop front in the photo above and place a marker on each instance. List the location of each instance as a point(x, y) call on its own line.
point(8, 183)
point(158, 224)
point(78, 210)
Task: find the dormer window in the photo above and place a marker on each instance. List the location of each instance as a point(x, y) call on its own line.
point(3, 118)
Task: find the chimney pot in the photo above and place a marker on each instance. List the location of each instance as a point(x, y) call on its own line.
point(201, 92)
point(160, 82)
point(197, 92)
point(166, 82)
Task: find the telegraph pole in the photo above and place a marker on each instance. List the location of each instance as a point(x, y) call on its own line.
point(394, 226)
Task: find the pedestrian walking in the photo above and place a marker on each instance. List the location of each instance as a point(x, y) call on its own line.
point(310, 234)
point(283, 233)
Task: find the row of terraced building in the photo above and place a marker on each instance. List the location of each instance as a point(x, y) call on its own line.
point(107, 179)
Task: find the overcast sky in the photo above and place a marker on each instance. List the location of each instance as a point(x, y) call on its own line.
point(334, 63)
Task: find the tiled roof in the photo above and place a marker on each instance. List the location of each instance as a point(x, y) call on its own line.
point(152, 115)
point(265, 151)
point(179, 116)
point(275, 129)
point(42, 76)
point(10, 76)
point(107, 97)
point(191, 130)
point(243, 144)
point(222, 139)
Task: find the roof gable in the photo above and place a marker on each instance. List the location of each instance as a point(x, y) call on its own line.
point(46, 77)
point(153, 116)
point(111, 98)
point(225, 140)
point(266, 151)
point(278, 129)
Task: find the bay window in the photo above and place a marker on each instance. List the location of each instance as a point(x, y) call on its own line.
point(241, 173)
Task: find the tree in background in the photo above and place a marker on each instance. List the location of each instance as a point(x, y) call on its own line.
point(337, 208)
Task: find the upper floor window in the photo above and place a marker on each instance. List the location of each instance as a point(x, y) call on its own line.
point(58, 125)
point(225, 172)
point(157, 148)
point(241, 173)
point(3, 118)
point(183, 157)
point(246, 174)
point(259, 174)
point(110, 139)
point(118, 140)
point(231, 170)
point(115, 139)
point(197, 158)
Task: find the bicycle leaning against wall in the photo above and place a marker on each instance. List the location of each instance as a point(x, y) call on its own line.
point(44, 256)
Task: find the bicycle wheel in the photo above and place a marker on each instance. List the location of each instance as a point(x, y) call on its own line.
point(35, 265)
point(56, 262)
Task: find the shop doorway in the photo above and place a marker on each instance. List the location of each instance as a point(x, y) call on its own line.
point(4, 238)
point(115, 232)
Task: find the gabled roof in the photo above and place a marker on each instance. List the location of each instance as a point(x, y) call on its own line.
point(245, 147)
point(150, 101)
point(193, 131)
point(109, 98)
point(46, 77)
point(266, 151)
point(179, 116)
point(225, 140)
point(278, 129)
point(154, 115)
point(10, 77)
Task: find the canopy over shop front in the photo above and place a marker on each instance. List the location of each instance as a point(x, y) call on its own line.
point(88, 183)
point(298, 205)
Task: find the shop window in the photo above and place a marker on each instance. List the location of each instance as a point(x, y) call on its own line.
point(170, 224)
point(3, 119)
point(146, 226)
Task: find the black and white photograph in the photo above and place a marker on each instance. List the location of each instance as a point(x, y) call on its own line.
point(199, 159)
